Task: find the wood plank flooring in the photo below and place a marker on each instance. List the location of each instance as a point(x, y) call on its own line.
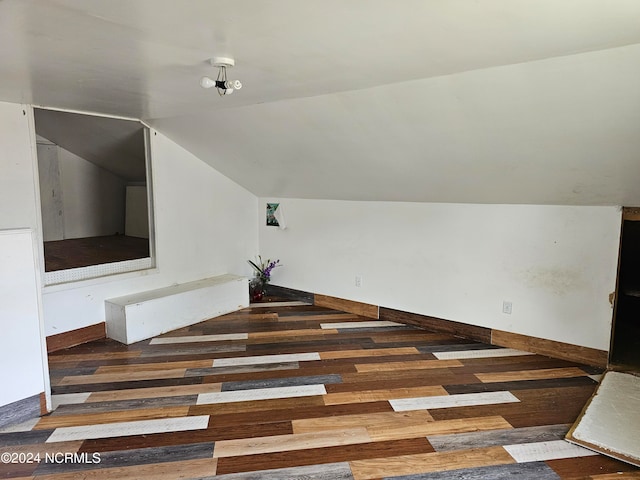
point(293, 391)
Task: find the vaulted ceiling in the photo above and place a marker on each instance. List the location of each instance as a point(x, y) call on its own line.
point(484, 101)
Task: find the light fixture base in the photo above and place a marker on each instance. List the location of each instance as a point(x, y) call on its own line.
point(222, 62)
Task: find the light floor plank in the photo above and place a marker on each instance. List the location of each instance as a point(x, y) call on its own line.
point(409, 365)
point(368, 352)
point(199, 338)
point(122, 377)
point(287, 443)
point(265, 359)
point(383, 394)
point(310, 332)
point(370, 324)
point(123, 429)
point(150, 367)
point(278, 304)
point(87, 419)
point(154, 392)
point(68, 399)
point(484, 353)
point(540, 374)
point(25, 426)
point(380, 420)
point(261, 394)
point(441, 427)
point(542, 451)
point(448, 401)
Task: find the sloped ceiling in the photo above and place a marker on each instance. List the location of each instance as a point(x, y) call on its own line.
point(487, 101)
point(115, 145)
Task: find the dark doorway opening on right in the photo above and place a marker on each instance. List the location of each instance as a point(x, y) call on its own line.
point(625, 343)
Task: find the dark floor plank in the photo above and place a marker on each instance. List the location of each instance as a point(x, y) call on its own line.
point(281, 382)
point(462, 441)
point(520, 385)
point(321, 455)
point(122, 458)
point(212, 434)
point(115, 406)
point(573, 468)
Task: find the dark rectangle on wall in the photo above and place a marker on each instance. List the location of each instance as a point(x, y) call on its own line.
point(76, 337)
point(289, 293)
point(480, 334)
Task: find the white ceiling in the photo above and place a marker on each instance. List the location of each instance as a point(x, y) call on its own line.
point(489, 101)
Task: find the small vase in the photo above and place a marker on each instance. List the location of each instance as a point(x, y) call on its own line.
point(256, 289)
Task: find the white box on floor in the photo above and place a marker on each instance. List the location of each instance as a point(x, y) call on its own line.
point(144, 315)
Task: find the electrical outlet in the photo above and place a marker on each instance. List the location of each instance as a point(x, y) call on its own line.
point(506, 308)
point(358, 281)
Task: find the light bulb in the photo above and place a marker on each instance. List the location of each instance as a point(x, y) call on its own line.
point(206, 82)
point(235, 84)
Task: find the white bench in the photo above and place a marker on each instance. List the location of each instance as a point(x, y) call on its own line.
point(143, 315)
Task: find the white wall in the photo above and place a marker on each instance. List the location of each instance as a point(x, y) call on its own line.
point(556, 264)
point(79, 199)
point(21, 352)
point(136, 223)
point(22, 369)
point(205, 225)
point(93, 198)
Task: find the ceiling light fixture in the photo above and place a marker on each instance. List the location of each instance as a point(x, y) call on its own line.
point(222, 84)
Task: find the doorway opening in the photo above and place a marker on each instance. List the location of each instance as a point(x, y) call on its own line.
point(94, 175)
point(625, 336)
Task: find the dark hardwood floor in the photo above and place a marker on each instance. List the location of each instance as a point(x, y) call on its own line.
point(82, 252)
point(305, 392)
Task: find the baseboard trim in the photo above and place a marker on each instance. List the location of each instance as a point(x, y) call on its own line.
point(357, 308)
point(43, 404)
point(289, 293)
point(21, 410)
point(75, 337)
point(458, 329)
point(551, 348)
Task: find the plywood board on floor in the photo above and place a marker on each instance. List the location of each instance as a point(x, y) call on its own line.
point(610, 423)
